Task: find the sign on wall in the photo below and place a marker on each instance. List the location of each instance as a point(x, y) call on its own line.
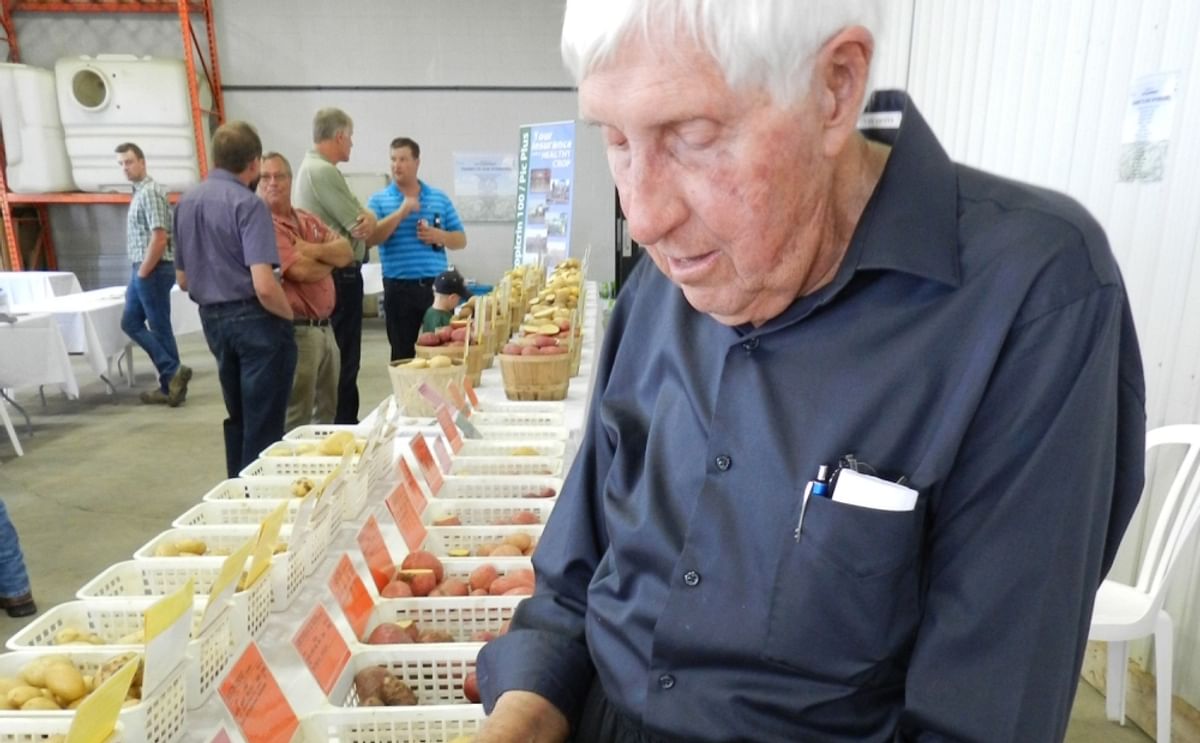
point(545, 173)
point(485, 186)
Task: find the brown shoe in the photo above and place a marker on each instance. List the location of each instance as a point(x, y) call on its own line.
point(19, 606)
point(177, 387)
point(154, 397)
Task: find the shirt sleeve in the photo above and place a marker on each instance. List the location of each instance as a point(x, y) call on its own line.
point(258, 233)
point(1022, 531)
point(288, 255)
point(545, 650)
point(328, 186)
point(450, 220)
point(158, 211)
point(375, 204)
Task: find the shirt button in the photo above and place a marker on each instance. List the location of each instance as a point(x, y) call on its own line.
point(691, 578)
point(723, 462)
point(666, 681)
point(751, 344)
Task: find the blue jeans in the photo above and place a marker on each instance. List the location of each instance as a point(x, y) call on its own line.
point(148, 300)
point(256, 358)
point(14, 581)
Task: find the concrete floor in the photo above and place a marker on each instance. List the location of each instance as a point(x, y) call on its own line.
point(104, 474)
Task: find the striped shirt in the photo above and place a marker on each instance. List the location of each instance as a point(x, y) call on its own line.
point(404, 256)
point(148, 211)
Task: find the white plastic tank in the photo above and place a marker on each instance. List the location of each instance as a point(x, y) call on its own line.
point(113, 98)
point(33, 135)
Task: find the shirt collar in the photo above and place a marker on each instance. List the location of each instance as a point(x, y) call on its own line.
point(910, 223)
point(221, 174)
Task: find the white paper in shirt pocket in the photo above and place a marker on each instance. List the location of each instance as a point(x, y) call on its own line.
point(856, 489)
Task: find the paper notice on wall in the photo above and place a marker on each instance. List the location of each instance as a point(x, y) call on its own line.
point(485, 186)
point(1146, 131)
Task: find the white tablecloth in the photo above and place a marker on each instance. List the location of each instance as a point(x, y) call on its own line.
point(372, 274)
point(33, 286)
point(32, 353)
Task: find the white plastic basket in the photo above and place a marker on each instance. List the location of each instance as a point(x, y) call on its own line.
point(486, 511)
point(463, 616)
point(161, 716)
point(521, 432)
point(229, 512)
point(255, 488)
point(159, 576)
point(205, 661)
point(436, 724)
point(524, 406)
point(518, 418)
point(506, 447)
point(288, 569)
point(462, 567)
point(355, 490)
point(440, 540)
point(34, 729)
point(435, 673)
point(523, 486)
point(491, 466)
point(375, 467)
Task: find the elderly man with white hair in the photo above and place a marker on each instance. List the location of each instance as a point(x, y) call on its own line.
point(867, 429)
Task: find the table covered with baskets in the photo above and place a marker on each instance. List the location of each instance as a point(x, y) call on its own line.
point(493, 492)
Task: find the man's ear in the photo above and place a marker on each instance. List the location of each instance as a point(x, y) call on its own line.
point(839, 82)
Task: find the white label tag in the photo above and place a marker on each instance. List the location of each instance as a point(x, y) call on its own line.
point(880, 120)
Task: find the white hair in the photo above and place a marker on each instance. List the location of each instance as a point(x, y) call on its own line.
point(764, 44)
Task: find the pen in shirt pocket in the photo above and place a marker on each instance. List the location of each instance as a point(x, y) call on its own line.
point(818, 487)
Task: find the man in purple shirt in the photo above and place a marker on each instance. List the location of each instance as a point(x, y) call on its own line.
point(225, 257)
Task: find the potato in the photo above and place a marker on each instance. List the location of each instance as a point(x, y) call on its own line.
point(64, 636)
point(38, 704)
point(417, 364)
point(454, 587)
point(440, 362)
point(424, 560)
point(435, 635)
point(368, 681)
point(482, 576)
point(421, 581)
point(471, 688)
point(397, 589)
point(335, 444)
point(429, 339)
point(395, 693)
point(114, 664)
point(524, 451)
point(389, 633)
point(552, 350)
point(506, 550)
point(66, 682)
point(526, 517)
point(33, 673)
point(451, 520)
point(18, 696)
point(511, 349)
point(195, 546)
point(302, 487)
point(520, 540)
point(137, 637)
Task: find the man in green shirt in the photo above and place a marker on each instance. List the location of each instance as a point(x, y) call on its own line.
point(321, 188)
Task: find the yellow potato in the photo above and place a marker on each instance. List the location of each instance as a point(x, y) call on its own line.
point(166, 549)
point(302, 487)
point(39, 704)
point(138, 637)
point(280, 450)
point(335, 444)
point(33, 673)
point(65, 680)
point(195, 546)
point(20, 695)
point(440, 362)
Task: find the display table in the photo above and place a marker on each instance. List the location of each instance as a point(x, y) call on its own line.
point(33, 354)
point(299, 687)
point(33, 286)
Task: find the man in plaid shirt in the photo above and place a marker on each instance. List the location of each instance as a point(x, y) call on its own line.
point(147, 317)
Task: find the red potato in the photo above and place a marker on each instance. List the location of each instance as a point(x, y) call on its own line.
point(484, 549)
point(564, 325)
point(544, 341)
point(482, 576)
point(389, 633)
point(397, 589)
point(543, 493)
point(435, 635)
point(458, 334)
point(505, 583)
point(429, 339)
point(444, 333)
point(422, 560)
point(525, 517)
point(483, 636)
point(530, 351)
point(552, 350)
point(451, 520)
point(454, 587)
point(479, 592)
point(421, 581)
point(523, 575)
point(506, 550)
point(519, 591)
point(471, 688)
point(511, 349)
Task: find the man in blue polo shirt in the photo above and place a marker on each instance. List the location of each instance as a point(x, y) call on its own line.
point(417, 224)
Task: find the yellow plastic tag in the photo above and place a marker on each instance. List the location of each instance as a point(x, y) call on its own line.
point(268, 535)
point(96, 716)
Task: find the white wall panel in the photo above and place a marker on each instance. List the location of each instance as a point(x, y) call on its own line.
point(1038, 91)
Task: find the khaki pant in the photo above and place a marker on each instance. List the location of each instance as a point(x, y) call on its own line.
point(315, 384)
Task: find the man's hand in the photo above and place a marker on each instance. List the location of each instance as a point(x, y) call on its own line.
point(364, 225)
point(524, 717)
point(410, 205)
point(430, 235)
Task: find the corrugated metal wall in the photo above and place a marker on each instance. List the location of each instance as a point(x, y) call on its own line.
point(1039, 91)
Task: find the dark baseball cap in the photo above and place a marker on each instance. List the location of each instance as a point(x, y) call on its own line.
point(451, 282)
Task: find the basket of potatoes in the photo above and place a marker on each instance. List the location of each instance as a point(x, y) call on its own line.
point(39, 692)
point(408, 375)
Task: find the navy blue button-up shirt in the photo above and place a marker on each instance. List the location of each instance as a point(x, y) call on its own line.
point(976, 339)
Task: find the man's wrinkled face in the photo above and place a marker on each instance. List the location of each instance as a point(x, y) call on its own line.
point(275, 185)
point(723, 187)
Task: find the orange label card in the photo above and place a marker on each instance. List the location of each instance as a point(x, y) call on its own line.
point(433, 476)
point(351, 594)
point(408, 521)
point(375, 552)
point(256, 702)
point(470, 389)
point(408, 480)
point(442, 453)
point(458, 398)
point(322, 647)
point(453, 435)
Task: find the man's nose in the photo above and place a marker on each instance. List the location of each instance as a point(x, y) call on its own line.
point(650, 198)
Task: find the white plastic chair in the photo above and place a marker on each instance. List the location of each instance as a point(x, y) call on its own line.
point(1123, 612)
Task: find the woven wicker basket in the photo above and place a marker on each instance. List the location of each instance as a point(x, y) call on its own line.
point(474, 358)
point(536, 377)
point(406, 383)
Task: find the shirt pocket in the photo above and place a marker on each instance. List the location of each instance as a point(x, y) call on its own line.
point(844, 602)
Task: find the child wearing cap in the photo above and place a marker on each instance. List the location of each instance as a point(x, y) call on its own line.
point(449, 290)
